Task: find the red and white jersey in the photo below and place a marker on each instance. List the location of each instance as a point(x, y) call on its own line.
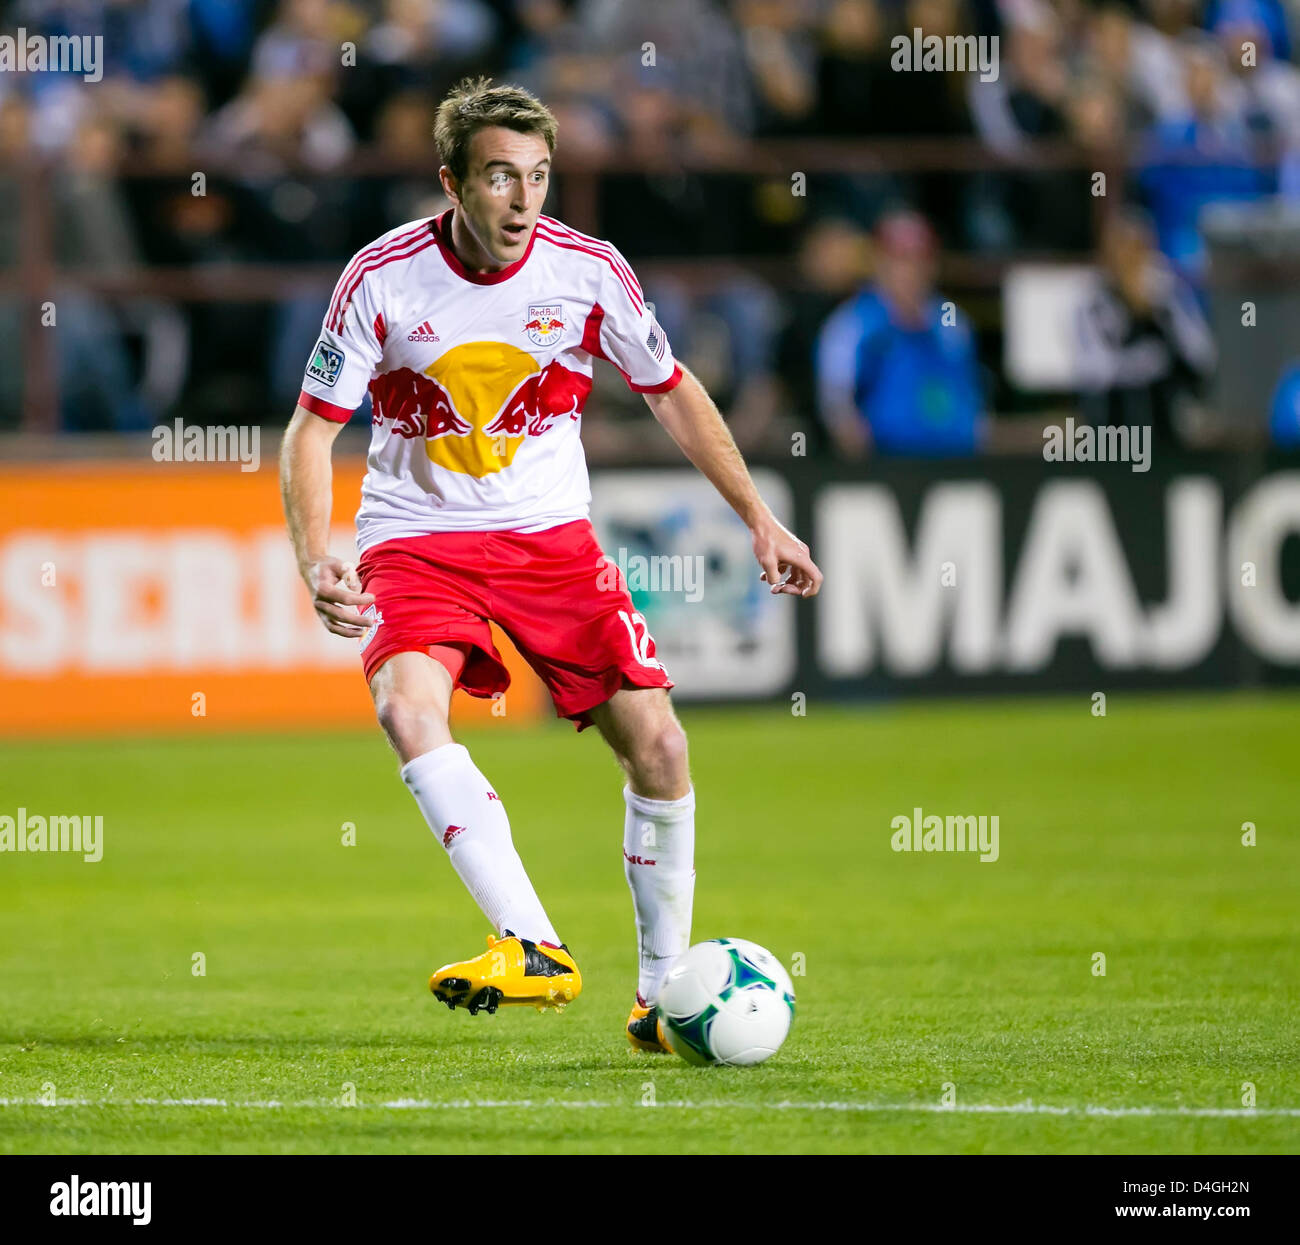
point(477, 380)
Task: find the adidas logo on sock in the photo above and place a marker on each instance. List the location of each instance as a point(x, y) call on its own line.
point(424, 333)
point(451, 833)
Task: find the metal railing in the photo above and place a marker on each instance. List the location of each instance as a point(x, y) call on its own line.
point(38, 277)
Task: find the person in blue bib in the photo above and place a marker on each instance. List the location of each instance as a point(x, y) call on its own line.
point(897, 371)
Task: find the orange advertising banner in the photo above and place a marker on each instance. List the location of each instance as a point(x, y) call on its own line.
point(143, 596)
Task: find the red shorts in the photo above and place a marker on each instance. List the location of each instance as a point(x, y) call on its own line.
point(564, 607)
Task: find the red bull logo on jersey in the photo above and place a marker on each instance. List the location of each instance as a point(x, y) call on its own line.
point(477, 404)
point(544, 323)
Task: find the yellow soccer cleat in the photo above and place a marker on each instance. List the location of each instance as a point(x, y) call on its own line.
point(645, 1030)
point(512, 972)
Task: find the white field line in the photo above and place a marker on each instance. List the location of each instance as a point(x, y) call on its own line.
point(475, 1104)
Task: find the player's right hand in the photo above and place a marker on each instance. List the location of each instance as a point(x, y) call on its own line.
point(336, 594)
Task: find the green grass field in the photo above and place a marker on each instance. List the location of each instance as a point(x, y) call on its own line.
point(1119, 835)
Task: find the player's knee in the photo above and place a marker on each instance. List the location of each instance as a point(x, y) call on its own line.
point(404, 719)
point(659, 757)
point(394, 712)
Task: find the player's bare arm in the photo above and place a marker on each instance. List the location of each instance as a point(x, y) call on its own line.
point(306, 485)
point(694, 422)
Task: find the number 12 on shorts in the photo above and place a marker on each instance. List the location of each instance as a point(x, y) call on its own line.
point(639, 634)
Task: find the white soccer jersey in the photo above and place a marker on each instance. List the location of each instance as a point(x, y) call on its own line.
point(477, 380)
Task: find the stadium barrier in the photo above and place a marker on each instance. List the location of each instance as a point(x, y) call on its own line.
point(140, 597)
point(33, 275)
point(994, 576)
point(164, 596)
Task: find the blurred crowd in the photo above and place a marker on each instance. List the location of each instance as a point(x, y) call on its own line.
point(284, 104)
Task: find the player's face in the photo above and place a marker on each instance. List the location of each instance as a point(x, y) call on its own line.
point(501, 196)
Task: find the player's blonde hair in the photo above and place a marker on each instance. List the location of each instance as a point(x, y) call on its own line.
point(474, 103)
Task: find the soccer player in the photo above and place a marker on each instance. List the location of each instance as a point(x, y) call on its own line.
point(475, 332)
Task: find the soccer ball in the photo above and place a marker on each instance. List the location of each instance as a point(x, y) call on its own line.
point(727, 1001)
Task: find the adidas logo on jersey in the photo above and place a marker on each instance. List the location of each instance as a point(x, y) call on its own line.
point(424, 333)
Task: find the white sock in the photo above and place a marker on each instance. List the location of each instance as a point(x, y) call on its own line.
point(659, 862)
point(470, 821)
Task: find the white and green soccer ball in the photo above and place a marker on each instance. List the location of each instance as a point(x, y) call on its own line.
point(726, 1001)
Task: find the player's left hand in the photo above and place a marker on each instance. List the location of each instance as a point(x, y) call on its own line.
point(786, 562)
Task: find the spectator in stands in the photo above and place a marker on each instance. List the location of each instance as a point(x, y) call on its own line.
point(726, 335)
point(279, 121)
point(418, 33)
point(226, 31)
point(141, 42)
point(283, 122)
point(852, 65)
point(698, 57)
point(925, 103)
point(417, 45)
point(1145, 351)
point(404, 135)
point(303, 40)
point(1268, 16)
point(834, 260)
point(546, 30)
point(1284, 416)
point(896, 365)
point(15, 149)
point(1205, 156)
point(262, 97)
point(1268, 88)
point(1029, 101)
point(1140, 63)
point(166, 121)
point(1096, 115)
point(1172, 18)
point(551, 57)
point(1028, 98)
point(94, 235)
point(779, 44)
